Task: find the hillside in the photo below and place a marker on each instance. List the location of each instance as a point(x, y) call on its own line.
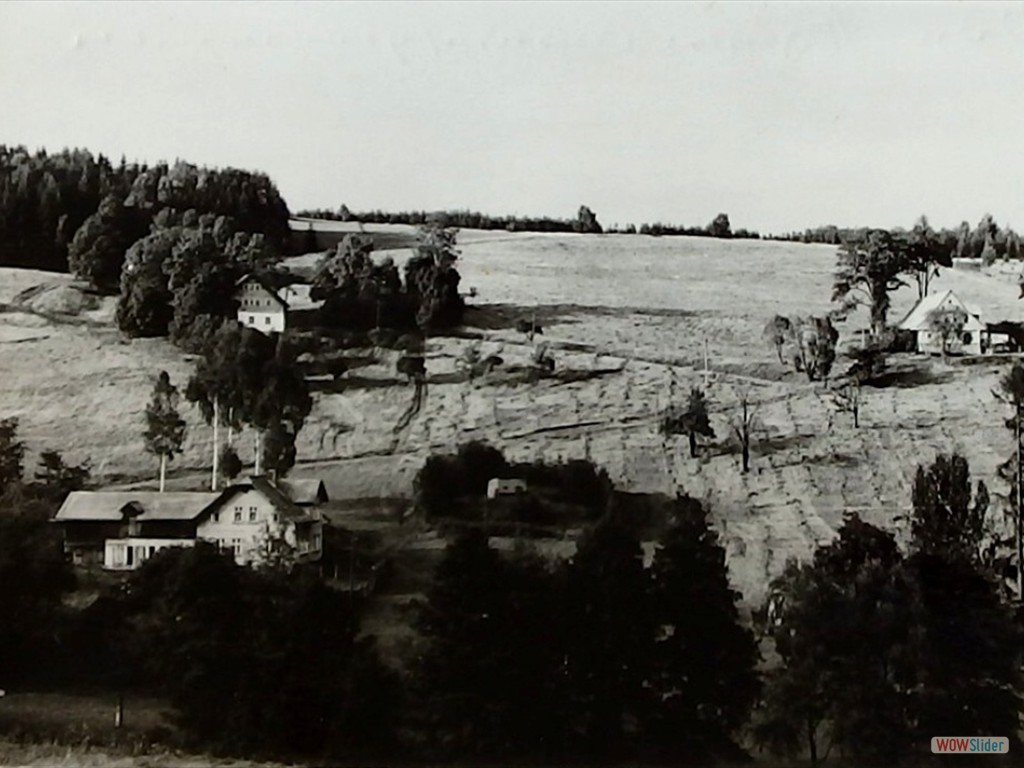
point(627, 318)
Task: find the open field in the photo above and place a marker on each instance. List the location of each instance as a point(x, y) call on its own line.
point(627, 318)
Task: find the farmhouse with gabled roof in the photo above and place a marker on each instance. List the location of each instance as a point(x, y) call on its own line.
point(122, 529)
point(929, 340)
point(266, 308)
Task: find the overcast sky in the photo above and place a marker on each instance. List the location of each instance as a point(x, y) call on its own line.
point(783, 115)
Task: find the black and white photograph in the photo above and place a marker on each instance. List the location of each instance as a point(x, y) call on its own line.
point(498, 384)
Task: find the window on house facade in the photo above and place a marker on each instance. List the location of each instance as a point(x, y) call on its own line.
point(238, 514)
point(316, 541)
point(252, 320)
point(266, 320)
point(252, 514)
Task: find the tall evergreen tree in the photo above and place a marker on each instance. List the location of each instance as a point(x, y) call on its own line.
point(947, 521)
point(165, 429)
point(704, 661)
point(12, 454)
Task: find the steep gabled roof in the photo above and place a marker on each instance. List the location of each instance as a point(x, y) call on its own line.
point(917, 318)
point(285, 507)
point(110, 506)
point(253, 277)
point(304, 491)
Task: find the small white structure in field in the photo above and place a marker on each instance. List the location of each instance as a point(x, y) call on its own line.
point(499, 486)
point(929, 340)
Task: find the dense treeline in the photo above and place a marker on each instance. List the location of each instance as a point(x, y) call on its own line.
point(360, 293)
point(458, 219)
point(455, 486)
point(987, 241)
point(585, 222)
point(881, 649)
point(56, 210)
point(597, 658)
point(179, 280)
point(719, 227)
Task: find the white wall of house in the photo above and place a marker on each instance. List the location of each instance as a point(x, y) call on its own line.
point(129, 554)
point(240, 524)
point(258, 309)
point(930, 342)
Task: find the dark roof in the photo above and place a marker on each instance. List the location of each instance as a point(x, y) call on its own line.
point(304, 491)
point(253, 277)
point(145, 506)
point(111, 505)
point(284, 506)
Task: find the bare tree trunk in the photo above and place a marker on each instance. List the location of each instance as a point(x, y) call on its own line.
point(231, 427)
point(163, 470)
point(812, 745)
point(258, 463)
point(216, 444)
point(693, 445)
point(746, 454)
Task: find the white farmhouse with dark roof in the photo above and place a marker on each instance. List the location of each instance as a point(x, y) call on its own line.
point(928, 340)
point(267, 309)
point(122, 529)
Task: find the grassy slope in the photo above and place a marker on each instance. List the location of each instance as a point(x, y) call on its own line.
point(648, 303)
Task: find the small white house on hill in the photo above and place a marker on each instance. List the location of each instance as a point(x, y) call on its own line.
point(259, 305)
point(267, 309)
point(929, 340)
